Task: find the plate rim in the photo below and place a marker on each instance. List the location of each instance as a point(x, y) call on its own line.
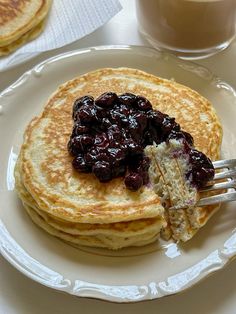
point(110, 293)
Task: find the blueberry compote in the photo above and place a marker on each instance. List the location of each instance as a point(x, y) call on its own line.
point(110, 133)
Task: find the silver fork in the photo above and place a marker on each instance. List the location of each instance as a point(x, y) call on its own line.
point(228, 172)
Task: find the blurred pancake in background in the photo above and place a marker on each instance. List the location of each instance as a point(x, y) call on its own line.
point(20, 22)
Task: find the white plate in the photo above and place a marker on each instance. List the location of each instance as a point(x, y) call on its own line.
point(129, 275)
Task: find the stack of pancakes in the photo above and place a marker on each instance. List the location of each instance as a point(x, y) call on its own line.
point(20, 22)
point(79, 209)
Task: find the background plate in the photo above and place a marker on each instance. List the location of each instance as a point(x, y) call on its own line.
point(128, 275)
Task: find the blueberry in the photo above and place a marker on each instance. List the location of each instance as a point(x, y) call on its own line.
point(180, 135)
point(101, 113)
point(188, 138)
point(168, 125)
point(133, 148)
point(134, 130)
point(133, 181)
point(91, 157)
point(141, 119)
point(106, 99)
point(79, 129)
point(101, 140)
point(143, 104)
point(117, 155)
point(86, 141)
point(102, 171)
point(124, 109)
point(156, 117)
point(85, 100)
point(176, 136)
point(105, 124)
point(202, 169)
point(80, 143)
point(127, 99)
point(199, 158)
point(102, 156)
point(86, 114)
point(114, 133)
point(80, 165)
point(117, 117)
point(74, 146)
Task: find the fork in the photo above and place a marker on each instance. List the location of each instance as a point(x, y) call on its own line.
point(228, 172)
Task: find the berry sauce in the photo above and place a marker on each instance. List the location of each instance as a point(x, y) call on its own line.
point(110, 133)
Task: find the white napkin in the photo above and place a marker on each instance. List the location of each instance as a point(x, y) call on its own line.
point(69, 20)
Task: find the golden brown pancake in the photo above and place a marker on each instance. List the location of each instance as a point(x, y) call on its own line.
point(18, 17)
point(50, 187)
point(113, 235)
point(30, 35)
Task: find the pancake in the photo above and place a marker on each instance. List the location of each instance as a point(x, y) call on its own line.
point(55, 195)
point(17, 17)
point(113, 236)
point(30, 35)
point(101, 240)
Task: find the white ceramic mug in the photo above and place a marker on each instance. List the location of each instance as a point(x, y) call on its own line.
point(189, 28)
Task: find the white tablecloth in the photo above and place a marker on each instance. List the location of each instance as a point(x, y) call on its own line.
point(215, 295)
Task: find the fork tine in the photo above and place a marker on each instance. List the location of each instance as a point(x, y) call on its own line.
point(225, 174)
point(222, 198)
point(220, 186)
point(224, 163)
